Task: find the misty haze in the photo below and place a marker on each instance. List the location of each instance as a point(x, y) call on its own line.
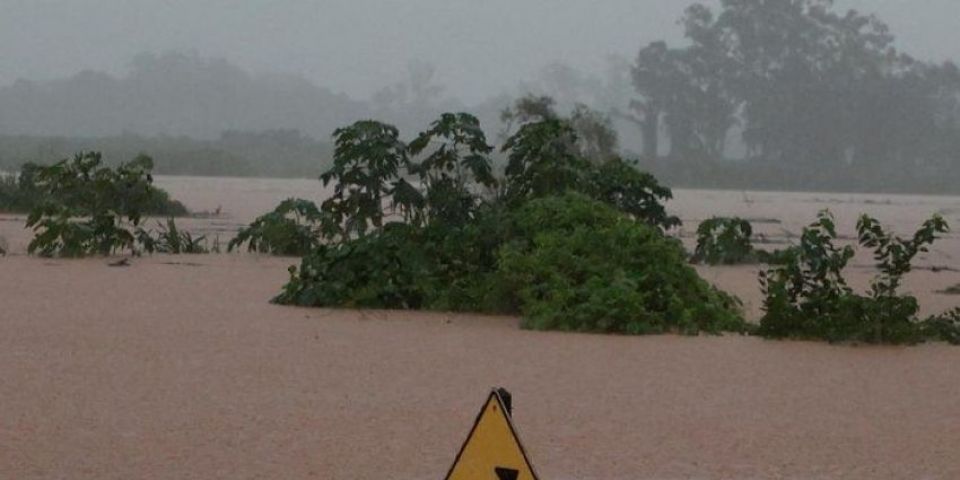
point(642, 238)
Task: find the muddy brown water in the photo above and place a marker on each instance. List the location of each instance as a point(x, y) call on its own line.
point(178, 367)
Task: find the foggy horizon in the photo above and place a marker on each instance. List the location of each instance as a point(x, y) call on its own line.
point(478, 50)
point(766, 96)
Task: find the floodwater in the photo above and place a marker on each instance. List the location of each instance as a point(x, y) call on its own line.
point(778, 219)
point(179, 367)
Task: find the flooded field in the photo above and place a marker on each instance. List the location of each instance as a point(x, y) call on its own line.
point(179, 367)
point(223, 205)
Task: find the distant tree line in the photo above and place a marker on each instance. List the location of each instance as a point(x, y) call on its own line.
point(172, 94)
point(802, 85)
point(772, 94)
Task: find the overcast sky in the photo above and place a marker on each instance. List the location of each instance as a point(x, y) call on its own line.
point(480, 47)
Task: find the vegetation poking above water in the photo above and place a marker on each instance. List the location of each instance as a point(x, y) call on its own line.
point(723, 240)
point(295, 227)
point(546, 241)
point(951, 290)
point(808, 297)
point(31, 188)
point(577, 264)
point(728, 241)
point(570, 240)
point(79, 207)
point(171, 239)
point(569, 237)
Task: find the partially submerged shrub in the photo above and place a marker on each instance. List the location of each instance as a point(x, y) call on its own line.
point(366, 171)
point(22, 193)
point(620, 184)
point(542, 161)
point(160, 204)
point(463, 272)
point(894, 254)
point(60, 232)
point(808, 297)
point(567, 263)
point(457, 161)
point(944, 327)
point(170, 239)
point(728, 241)
point(87, 206)
point(893, 315)
point(570, 244)
point(724, 241)
point(579, 265)
point(776, 257)
point(404, 266)
point(951, 290)
point(295, 227)
point(384, 269)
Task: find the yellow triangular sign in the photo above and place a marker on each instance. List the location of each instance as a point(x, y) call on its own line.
point(492, 450)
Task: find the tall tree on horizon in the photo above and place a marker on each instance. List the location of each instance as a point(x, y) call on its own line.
point(810, 86)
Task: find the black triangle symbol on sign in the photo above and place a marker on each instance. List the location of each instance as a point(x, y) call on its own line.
point(506, 473)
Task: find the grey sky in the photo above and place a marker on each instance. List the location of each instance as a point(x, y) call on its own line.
point(480, 47)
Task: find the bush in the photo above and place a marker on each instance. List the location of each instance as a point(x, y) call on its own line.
point(295, 228)
point(366, 170)
point(85, 205)
point(87, 208)
point(542, 161)
point(403, 266)
point(59, 232)
point(21, 193)
point(159, 204)
point(621, 185)
point(727, 241)
point(944, 327)
point(566, 263)
point(569, 244)
point(384, 269)
point(463, 273)
point(579, 265)
point(170, 239)
point(456, 159)
point(724, 241)
point(808, 296)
